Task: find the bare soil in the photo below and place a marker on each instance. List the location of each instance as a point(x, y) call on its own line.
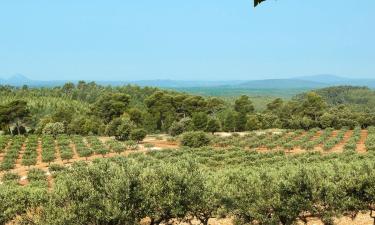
point(160, 142)
point(361, 219)
point(361, 147)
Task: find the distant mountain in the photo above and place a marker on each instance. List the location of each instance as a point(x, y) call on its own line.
point(20, 80)
point(334, 80)
point(302, 82)
point(324, 78)
point(281, 84)
point(179, 83)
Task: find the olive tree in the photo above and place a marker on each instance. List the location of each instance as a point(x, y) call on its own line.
point(54, 129)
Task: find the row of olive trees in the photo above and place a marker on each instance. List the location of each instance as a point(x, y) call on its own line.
point(125, 191)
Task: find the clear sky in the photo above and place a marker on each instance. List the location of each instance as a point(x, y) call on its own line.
point(186, 40)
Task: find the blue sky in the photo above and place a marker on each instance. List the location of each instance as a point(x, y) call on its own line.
point(186, 40)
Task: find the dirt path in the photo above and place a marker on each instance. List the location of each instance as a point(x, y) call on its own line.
point(57, 153)
point(299, 149)
point(340, 146)
point(39, 152)
point(160, 143)
point(263, 148)
point(320, 146)
point(361, 147)
point(74, 149)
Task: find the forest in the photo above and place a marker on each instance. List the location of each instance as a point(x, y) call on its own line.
point(78, 154)
point(91, 109)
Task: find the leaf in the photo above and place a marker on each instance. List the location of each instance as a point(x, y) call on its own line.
point(257, 2)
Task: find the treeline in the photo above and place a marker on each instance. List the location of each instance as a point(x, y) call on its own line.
point(269, 189)
point(91, 109)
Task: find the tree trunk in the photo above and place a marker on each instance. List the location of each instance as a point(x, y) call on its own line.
point(372, 215)
point(18, 128)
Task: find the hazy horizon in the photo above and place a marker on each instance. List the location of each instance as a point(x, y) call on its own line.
point(24, 76)
point(195, 40)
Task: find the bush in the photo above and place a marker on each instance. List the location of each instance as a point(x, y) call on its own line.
point(54, 129)
point(56, 167)
point(131, 145)
point(123, 131)
point(195, 139)
point(180, 127)
point(213, 125)
point(137, 135)
point(36, 175)
point(10, 177)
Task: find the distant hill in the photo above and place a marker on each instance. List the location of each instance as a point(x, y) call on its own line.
point(324, 78)
point(274, 87)
point(281, 84)
point(359, 97)
point(333, 80)
point(20, 80)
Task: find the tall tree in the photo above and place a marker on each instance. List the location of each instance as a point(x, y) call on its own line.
point(215, 105)
point(243, 105)
point(111, 106)
point(160, 104)
point(275, 105)
point(313, 105)
point(200, 120)
point(15, 112)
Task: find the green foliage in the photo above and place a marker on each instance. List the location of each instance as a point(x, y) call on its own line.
point(81, 147)
point(90, 109)
point(66, 151)
point(179, 127)
point(111, 106)
point(123, 131)
point(200, 120)
point(10, 177)
point(36, 175)
point(97, 145)
point(243, 105)
point(30, 154)
point(131, 145)
point(16, 200)
point(272, 188)
point(213, 125)
point(12, 153)
point(351, 144)
point(54, 129)
point(120, 129)
point(15, 112)
point(137, 135)
point(115, 146)
point(195, 139)
point(370, 142)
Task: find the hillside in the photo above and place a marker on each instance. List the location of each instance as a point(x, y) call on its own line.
point(206, 87)
point(361, 98)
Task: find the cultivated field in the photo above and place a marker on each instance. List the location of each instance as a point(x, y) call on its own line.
point(36, 160)
point(19, 154)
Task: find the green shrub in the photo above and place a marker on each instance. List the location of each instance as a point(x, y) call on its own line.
point(195, 139)
point(10, 177)
point(138, 135)
point(36, 175)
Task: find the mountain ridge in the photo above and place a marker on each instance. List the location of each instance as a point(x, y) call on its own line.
point(312, 82)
